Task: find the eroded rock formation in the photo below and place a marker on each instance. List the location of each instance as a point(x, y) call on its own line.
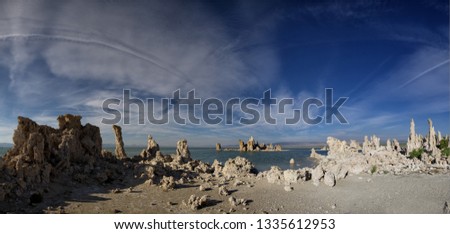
point(432, 141)
point(183, 150)
point(274, 175)
point(278, 148)
point(253, 145)
point(277, 176)
point(421, 155)
point(337, 147)
point(371, 145)
point(292, 162)
point(242, 146)
point(195, 203)
point(414, 141)
point(152, 149)
point(238, 166)
point(42, 154)
point(315, 155)
point(317, 174)
point(120, 149)
point(329, 179)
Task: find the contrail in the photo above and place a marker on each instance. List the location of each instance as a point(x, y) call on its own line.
point(424, 73)
point(368, 77)
point(120, 48)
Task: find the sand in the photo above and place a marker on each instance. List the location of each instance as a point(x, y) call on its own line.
point(415, 193)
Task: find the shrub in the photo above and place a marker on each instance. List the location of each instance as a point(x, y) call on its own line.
point(445, 152)
point(443, 144)
point(373, 169)
point(417, 153)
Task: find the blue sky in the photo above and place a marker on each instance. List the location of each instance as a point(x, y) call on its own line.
point(391, 59)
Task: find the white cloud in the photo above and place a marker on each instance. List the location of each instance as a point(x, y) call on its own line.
point(68, 56)
point(157, 51)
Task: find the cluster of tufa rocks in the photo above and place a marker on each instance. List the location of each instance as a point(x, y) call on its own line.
point(42, 154)
point(238, 167)
point(195, 202)
point(73, 153)
point(151, 150)
point(422, 154)
point(253, 145)
point(277, 176)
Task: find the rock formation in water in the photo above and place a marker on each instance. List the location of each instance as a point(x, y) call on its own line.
point(242, 146)
point(315, 155)
point(277, 148)
point(253, 145)
point(120, 150)
point(292, 161)
point(218, 147)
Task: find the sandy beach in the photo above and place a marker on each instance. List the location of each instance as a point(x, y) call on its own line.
point(416, 193)
point(356, 194)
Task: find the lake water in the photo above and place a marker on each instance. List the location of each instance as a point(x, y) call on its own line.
point(262, 160)
point(3, 151)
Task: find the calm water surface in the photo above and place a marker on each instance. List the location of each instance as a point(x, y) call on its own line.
point(262, 160)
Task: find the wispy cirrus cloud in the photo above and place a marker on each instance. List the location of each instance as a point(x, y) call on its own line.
point(157, 51)
point(417, 87)
point(60, 62)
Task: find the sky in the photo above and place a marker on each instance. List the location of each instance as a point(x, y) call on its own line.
point(390, 58)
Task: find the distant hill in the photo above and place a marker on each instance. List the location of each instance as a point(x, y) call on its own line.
point(301, 144)
point(131, 146)
point(6, 145)
point(293, 144)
